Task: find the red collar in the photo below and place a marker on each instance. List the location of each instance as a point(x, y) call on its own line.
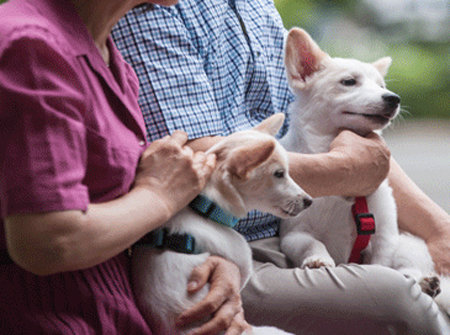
point(365, 227)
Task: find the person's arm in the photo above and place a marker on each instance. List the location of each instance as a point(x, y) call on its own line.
point(354, 165)
point(169, 176)
point(421, 216)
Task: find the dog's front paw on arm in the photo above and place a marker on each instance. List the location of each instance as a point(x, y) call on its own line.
point(315, 262)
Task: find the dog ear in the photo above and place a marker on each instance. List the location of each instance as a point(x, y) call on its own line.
point(382, 65)
point(271, 125)
point(302, 57)
point(244, 160)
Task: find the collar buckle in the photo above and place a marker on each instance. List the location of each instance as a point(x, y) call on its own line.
point(209, 209)
point(365, 223)
point(162, 239)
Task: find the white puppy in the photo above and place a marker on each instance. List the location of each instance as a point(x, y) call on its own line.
point(251, 173)
point(334, 94)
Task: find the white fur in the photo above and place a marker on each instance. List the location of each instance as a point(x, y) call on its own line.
point(160, 277)
point(324, 234)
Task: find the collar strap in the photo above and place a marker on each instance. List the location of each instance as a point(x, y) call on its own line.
point(365, 227)
point(162, 239)
point(207, 208)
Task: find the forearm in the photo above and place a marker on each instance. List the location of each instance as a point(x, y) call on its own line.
point(417, 213)
point(204, 143)
point(70, 240)
point(324, 174)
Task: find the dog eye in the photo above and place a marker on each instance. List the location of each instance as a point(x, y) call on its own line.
point(279, 174)
point(348, 82)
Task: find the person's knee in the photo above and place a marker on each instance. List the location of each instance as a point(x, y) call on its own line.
point(401, 300)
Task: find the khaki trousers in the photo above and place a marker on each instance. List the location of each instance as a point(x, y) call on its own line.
point(348, 299)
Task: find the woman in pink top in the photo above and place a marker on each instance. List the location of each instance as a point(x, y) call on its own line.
point(78, 185)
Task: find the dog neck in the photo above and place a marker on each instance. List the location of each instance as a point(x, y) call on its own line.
point(307, 132)
point(209, 209)
point(224, 194)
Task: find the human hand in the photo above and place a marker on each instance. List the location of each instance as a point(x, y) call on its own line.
point(172, 171)
point(223, 302)
point(364, 161)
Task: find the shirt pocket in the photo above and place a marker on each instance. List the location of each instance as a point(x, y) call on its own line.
point(111, 166)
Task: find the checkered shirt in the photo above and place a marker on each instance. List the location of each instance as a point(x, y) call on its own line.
point(208, 67)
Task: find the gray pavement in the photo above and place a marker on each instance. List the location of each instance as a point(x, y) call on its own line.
point(422, 148)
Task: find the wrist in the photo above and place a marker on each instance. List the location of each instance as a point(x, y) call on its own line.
point(439, 226)
point(319, 174)
point(153, 205)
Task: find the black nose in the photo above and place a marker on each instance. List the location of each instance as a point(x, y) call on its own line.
point(307, 202)
point(391, 99)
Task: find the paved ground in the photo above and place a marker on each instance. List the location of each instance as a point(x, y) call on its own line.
point(422, 148)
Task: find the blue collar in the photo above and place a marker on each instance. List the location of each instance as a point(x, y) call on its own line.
point(161, 238)
point(207, 208)
point(185, 243)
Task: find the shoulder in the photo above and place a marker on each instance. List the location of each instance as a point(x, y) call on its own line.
point(25, 23)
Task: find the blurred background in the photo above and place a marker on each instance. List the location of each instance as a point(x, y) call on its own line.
point(416, 34)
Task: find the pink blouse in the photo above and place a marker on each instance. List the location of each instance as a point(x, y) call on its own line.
point(71, 134)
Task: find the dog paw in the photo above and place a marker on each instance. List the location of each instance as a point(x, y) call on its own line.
point(431, 285)
point(315, 262)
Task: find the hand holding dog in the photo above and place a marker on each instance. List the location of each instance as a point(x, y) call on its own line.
point(223, 301)
point(365, 162)
point(173, 172)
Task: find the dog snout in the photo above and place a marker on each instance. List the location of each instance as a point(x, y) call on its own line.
point(307, 202)
point(392, 100)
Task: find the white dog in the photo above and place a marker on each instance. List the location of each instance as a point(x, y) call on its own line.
point(251, 173)
point(334, 94)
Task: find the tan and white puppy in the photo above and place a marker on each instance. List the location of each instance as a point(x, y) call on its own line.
point(251, 173)
point(334, 94)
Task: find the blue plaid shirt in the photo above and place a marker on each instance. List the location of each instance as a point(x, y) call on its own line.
point(208, 67)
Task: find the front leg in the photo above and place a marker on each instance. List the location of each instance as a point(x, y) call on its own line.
point(305, 251)
point(384, 243)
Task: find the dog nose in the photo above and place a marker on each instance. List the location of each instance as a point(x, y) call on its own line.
point(307, 202)
point(391, 99)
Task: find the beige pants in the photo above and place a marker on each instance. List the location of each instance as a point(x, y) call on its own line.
point(348, 299)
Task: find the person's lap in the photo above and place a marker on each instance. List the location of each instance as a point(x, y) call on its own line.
point(348, 299)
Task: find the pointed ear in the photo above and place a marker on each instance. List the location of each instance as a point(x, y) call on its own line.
point(302, 57)
point(382, 65)
point(271, 125)
point(244, 160)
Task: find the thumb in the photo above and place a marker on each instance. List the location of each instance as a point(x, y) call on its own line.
point(199, 276)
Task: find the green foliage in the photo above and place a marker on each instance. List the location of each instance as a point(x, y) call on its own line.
point(420, 75)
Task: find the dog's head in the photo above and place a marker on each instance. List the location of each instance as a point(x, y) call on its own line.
point(350, 94)
point(252, 172)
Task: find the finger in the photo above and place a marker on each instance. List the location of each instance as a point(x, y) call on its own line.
point(188, 151)
point(199, 276)
point(210, 163)
point(199, 160)
point(374, 136)
point(239, 325)
point(205, 165)
point(180, 137)
point(222, 320)
point(205, 308)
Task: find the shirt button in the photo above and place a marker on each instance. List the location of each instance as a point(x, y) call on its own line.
point(141, 143)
